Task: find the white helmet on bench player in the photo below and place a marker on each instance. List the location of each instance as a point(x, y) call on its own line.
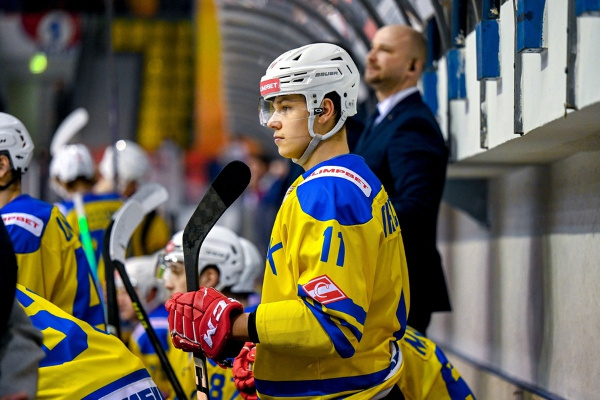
point(254, 265)
point(15, 142)
point(71, 162)
point(132, 163)
point(221, 248)
point(314, 71)
point(140, 271)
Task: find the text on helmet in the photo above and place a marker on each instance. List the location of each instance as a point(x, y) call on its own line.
point(269, 86)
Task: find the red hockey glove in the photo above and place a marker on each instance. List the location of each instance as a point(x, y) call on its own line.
point(201, 320)
point(243, 378)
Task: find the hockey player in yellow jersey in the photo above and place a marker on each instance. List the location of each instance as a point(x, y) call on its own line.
point(51, 260)
point(152, 295)
point(335, 294)
point(73, 173)
point(82, 362)
point(428, 375)
point(133, 167)
point(228, 262)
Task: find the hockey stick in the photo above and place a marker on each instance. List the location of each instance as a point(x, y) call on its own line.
point(124, 223)
point(68, 128)
point(150, 196)
point(86, 238)
point(224, 190)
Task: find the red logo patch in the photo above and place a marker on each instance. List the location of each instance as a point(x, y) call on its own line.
point(269, 86)
point(323, 290)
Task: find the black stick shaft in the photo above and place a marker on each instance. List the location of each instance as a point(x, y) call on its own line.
point(112, 310)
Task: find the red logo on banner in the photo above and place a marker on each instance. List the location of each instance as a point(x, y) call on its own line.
point(323, 290)
point(269, 86)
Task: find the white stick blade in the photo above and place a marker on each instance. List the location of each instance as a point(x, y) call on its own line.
point(68, 128)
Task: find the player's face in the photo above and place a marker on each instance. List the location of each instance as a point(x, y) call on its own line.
point(289, 122)
point(175, 277)
point(126, 310)
point(388, 59)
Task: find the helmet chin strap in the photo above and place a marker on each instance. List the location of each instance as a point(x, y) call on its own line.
point(316, 139)
point(309, 150)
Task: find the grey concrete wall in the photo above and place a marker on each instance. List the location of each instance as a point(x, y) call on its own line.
point(524, 289)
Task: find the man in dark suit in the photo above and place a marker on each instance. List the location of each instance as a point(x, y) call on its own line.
point(402, 143)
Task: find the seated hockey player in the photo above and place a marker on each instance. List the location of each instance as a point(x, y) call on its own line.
point(77, 360)
point(226, 261)
point(133, 167)
point(72, 176)
point(52, 262)
point(152, 296)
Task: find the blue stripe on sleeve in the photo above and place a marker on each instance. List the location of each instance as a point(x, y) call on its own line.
point(346, 306)
point(342, 345)
point(457, 389)
point(401, 314)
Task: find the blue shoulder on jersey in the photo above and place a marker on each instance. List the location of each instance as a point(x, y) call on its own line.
point(348, 181)
point(26, 219)
point(67, 205)
point(160, 322)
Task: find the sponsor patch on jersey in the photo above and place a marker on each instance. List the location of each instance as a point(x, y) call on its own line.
point(341, 172)
point(26, 221)
point(269, 86)
point(323, 290)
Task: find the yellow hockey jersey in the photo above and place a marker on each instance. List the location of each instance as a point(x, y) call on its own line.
point(428, 375)
point(51, 261)
point(140, 344)
point(82, 362)
point(335, 295)
point(220, 380)
point(99, 209)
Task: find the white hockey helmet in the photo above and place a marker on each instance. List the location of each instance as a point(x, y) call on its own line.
point(15, 142)
point(140, 271)
point(173, 251)
point(254, 264)
point(313, 70)
point(221, 248)
point(71, 162)
point(132, 162)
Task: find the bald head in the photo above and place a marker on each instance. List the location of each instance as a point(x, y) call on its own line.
point(396, 60)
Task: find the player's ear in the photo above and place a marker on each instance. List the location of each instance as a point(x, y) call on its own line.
point(4, 165)
point(328, 111)
point(209, 276)
point(151, 294)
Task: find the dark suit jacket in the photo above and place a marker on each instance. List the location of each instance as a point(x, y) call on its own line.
point(406, 150)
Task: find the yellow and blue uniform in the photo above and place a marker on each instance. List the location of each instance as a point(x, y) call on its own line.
point(335, 295)
point(99, 209)
point(51, 261)
point(220, 380)
point(183, 365)
point(82, 362)
point(140, 344)
point(427, 372)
